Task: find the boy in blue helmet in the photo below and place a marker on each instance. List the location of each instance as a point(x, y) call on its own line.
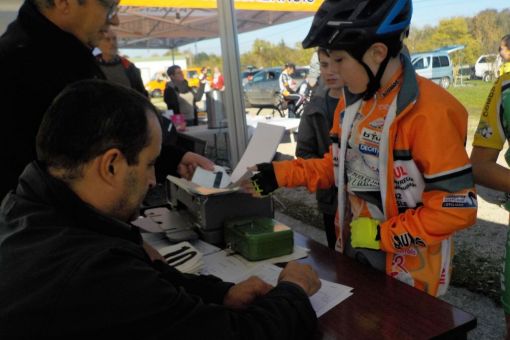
point(398, 159)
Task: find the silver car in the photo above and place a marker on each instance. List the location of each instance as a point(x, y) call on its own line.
point(263, 91)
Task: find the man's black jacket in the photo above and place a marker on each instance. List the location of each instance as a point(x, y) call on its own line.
point(69, 272)
point(37, 60)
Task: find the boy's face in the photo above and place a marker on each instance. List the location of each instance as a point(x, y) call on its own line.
point(352, 72)
point(332, 79)
point(504, 51)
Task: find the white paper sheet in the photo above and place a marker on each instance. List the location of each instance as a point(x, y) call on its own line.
point(209, 179)
point(261, 148)
point(236, 269)
point(329, 295)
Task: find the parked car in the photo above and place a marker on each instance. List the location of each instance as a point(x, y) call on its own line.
point(156, 86)
point(264, 89)
point(435, 65)
point(486, 67)
point(192, 75)
point(247, 76)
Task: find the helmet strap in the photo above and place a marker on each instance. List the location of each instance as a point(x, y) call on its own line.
point(374, 82)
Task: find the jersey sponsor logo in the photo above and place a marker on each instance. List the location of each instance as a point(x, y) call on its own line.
point(400, 171)
point(407, 252)
point(442, 279)
point(401, 203)
point(404, 183)
point(359, 180)
point(460, 201)
point(377, 124)
point(369, 150)
point(371, 136)
point(484, 130)
point(486, 108)
point(406, 240)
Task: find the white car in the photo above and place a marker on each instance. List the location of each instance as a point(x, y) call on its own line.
point(486, 67)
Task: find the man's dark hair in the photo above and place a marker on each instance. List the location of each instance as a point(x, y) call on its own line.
point(90, 117)
point(171, 70)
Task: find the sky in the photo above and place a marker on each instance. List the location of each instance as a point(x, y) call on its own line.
point(425, 12)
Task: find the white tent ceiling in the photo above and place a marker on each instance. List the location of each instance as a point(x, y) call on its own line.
point(157, 27)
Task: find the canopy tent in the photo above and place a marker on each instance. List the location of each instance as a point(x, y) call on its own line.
point(169, 24)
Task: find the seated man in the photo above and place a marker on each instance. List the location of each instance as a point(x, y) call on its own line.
point(72, 266)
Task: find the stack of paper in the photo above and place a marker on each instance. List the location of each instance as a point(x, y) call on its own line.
point(183, 256)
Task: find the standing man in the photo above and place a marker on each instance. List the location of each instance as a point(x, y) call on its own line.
point(117, 68)
point(72, 266)
point(180, 97)
point(52, 41)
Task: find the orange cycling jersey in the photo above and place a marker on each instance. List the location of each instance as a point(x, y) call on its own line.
point(426, 186)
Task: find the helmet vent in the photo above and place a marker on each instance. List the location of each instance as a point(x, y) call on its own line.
point(370, 8)
point(402, 16)
point(351, 36)
point(343, 15)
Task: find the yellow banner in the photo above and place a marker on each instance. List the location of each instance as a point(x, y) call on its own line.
point(253, 5)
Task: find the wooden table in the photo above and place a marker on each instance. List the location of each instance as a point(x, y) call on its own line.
point(381, 307)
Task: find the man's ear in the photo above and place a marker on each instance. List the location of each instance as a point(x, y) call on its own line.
point(110, 165)
point(63, 6)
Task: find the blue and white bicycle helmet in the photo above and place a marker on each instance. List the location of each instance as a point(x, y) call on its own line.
point(354, 25)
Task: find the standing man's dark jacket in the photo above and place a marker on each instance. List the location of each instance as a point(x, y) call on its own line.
point(69, 272)
point(176, 97)
point(37, 60)
point(313, 141)
point(132, 73)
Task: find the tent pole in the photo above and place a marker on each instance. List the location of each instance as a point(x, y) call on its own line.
point(233, 95)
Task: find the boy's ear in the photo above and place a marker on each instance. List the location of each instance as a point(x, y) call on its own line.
point(378, 52)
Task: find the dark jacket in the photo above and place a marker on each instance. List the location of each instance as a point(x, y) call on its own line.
point(37, 60)
point(132, 72)
point(69, 272)
point(171, 97)
point(313, 141)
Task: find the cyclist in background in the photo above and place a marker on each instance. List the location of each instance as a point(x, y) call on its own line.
point(288, 89)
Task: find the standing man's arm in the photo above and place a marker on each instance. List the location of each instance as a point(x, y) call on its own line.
point(136, 80)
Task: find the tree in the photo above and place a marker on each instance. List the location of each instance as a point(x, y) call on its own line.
point(486, 31)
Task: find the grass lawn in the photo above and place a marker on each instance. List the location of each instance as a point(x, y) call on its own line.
point(472, 95)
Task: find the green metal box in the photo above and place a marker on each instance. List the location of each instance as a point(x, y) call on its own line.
point(258, 238)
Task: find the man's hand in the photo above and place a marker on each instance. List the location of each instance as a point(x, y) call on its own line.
point(243, 293)
point(302, 275)
point(152, 253)
point(189, 163)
